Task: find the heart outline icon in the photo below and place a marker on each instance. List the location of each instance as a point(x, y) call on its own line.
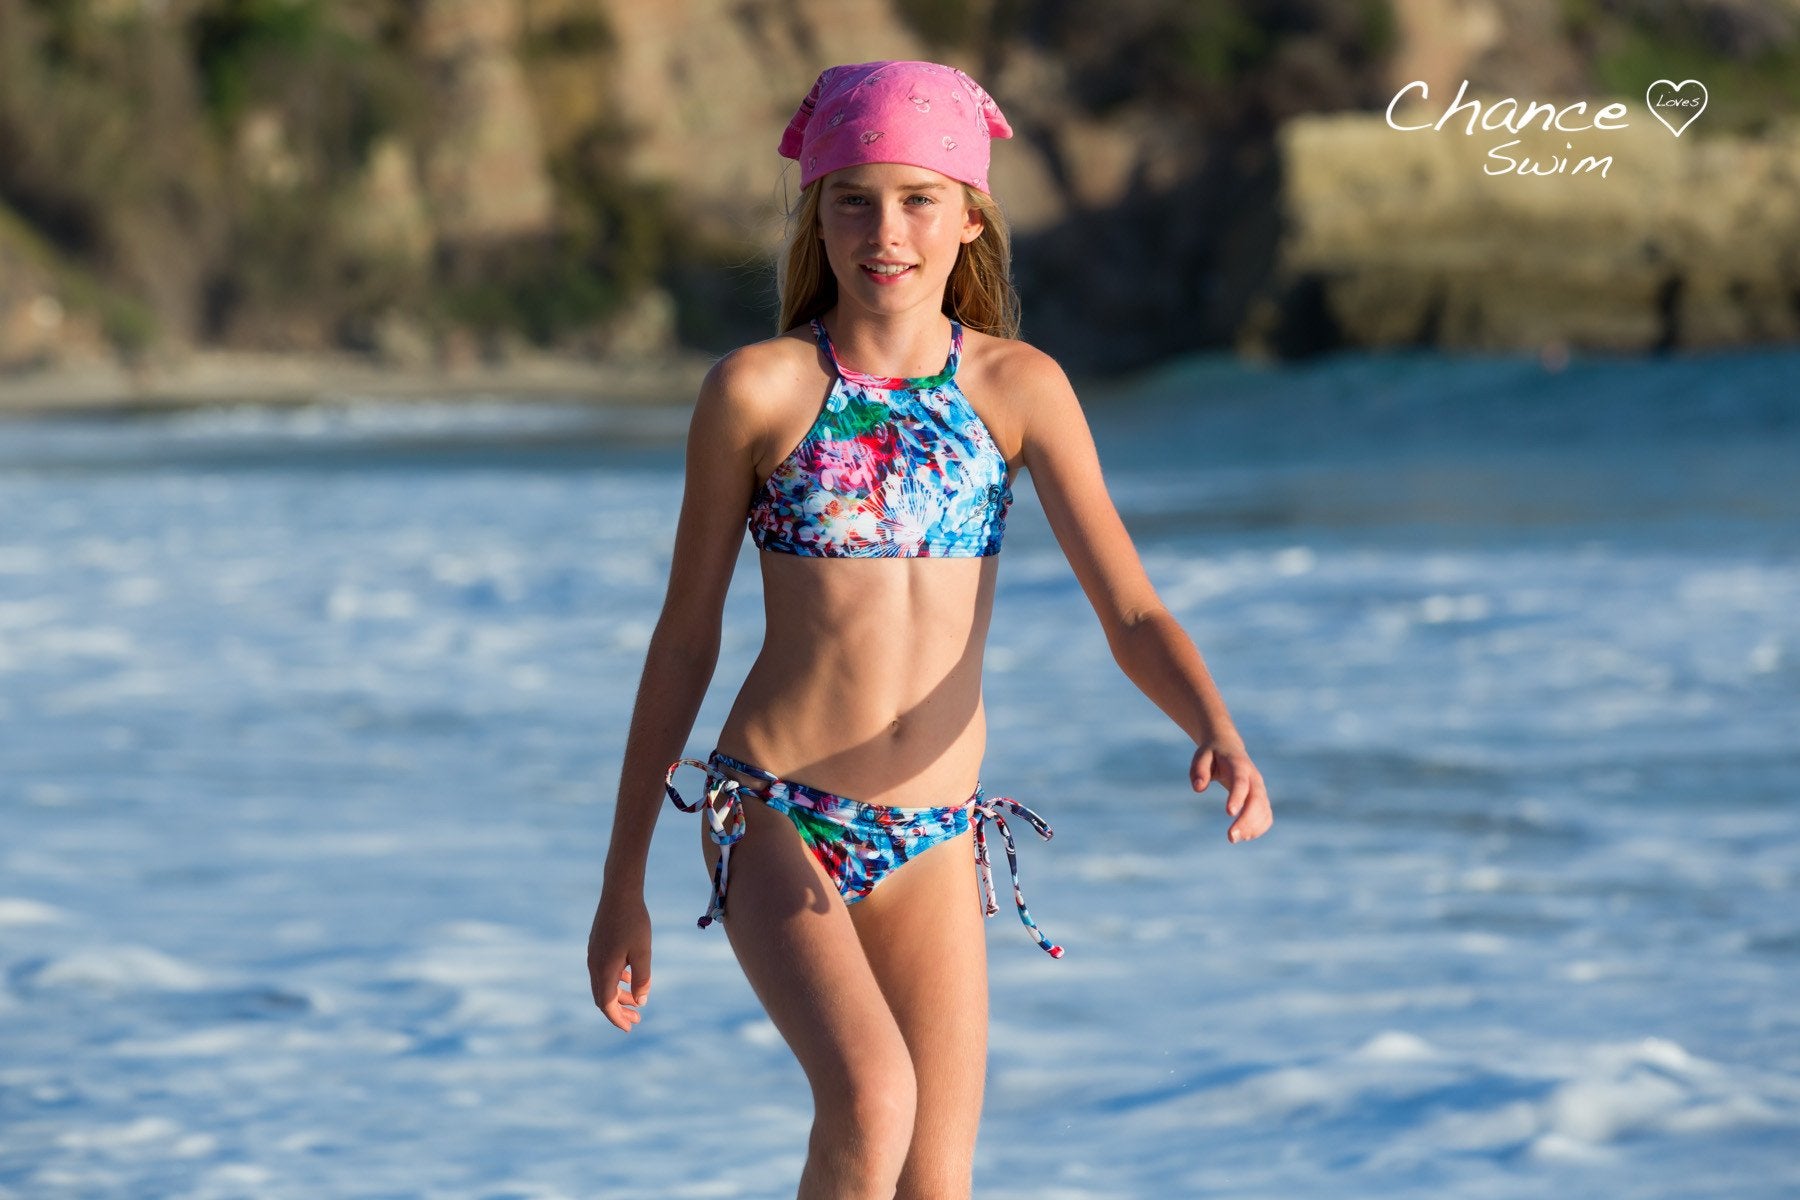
point(1675, 87)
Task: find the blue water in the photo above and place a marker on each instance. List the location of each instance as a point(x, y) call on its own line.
point(309, 721)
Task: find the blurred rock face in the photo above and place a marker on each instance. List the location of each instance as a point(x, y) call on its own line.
point(387, 211)
point(36, 328)
point(485, 174)
point(1406, 238)
point(404, 177)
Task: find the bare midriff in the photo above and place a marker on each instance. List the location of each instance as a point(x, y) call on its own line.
point(868, 684)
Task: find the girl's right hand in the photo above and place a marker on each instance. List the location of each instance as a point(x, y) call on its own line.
point(618, 958)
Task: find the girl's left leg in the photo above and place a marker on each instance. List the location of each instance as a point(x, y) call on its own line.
point(923, 932)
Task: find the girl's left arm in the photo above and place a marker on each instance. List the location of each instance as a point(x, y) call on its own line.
point(1149, 645)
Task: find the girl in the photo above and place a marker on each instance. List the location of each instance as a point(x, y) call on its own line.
point(873, 469)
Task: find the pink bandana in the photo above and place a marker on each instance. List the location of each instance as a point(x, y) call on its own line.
point(921, 113)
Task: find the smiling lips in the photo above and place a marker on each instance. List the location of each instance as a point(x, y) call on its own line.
point(887, 272)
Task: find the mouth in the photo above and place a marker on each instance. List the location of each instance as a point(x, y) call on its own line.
point(886, 270)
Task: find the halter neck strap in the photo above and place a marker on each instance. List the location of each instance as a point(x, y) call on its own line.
point(893, 383)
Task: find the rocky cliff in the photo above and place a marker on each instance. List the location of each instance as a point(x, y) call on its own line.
point(1432, 239)
point(447, 180)
point(1627, 239)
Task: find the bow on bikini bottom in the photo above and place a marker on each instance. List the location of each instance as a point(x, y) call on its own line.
point(858, 844)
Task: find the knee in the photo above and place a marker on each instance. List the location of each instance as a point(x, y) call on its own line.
point(946, 1184)
point(940, 1164)
point(867, 1122)
point(889, 1103)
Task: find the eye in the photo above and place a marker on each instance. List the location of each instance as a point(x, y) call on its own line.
point(922, 196)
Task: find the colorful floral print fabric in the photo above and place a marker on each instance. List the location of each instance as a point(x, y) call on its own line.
point(858, 844)
point(892, 468)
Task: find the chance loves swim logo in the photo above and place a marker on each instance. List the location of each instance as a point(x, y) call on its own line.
point(1668, 101)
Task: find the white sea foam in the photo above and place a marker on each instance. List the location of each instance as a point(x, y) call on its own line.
point(1395, 1045)
point(131, 684)
point(1593, 1104)
point(259, 1041)
point(308, 772)
point(160, 1132)
point(23, 560)
point(120, 969)
point(22, 910)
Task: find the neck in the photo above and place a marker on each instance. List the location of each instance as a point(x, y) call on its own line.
point(902, 345)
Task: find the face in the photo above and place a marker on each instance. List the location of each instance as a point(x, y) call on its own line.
point(892, 232)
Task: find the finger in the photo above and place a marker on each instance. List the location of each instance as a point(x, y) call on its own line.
point(640, 979)
point(1200, 773)
point(598, 974)
point(618, 1014)
point(614, 1003)
point(1244, 831)
point(627, 994)
point(621, 1007)
point(1254, 821)
point(1239, 793)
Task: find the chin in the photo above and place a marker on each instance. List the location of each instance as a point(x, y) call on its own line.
point(881, 295)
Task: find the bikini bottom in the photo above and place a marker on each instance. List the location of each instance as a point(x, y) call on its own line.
point(858, 844)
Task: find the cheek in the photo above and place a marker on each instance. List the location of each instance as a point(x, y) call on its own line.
point(833, 242)
point(936, 227)
point(843, 232)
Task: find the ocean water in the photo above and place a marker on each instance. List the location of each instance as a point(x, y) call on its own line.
point(309, 721)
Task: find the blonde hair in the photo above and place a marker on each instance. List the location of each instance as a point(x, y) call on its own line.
point(979, 292)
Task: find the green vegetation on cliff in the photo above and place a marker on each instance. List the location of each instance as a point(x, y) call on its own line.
point(277, 172)
point(1747, 54)
point(410, 176)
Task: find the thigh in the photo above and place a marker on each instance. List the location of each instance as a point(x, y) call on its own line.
point(794, 939)
point(923, 932)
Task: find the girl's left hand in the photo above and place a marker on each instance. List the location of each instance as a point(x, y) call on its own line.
point(1246, 799)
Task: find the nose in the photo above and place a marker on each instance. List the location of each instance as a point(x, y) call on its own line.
point(887, 229)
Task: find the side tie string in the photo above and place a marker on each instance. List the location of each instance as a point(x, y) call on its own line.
point(726, 829)
point(986, 810)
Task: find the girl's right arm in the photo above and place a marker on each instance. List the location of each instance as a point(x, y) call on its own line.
point(722, 442)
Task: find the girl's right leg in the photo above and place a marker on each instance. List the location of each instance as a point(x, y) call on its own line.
point(793, 936)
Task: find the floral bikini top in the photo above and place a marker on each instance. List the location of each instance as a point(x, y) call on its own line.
point(891, 468)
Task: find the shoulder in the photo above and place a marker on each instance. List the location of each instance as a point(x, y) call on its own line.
point(752, 386)
point(1016, 368)
point(1030, 388)
point(773, 365)
point(1010, 360)
point(1041, 412)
